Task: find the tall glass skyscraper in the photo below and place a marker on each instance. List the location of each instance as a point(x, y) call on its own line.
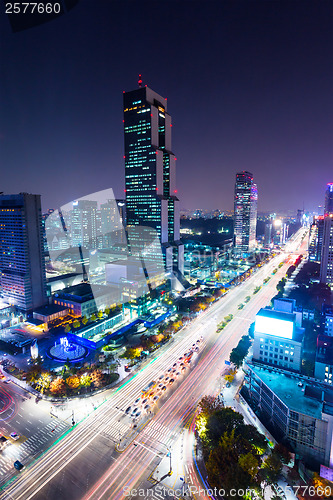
point(245, 213)
point(329, 199)
point(22, 263)
point(150, 168)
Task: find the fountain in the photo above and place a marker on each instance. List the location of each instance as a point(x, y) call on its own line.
point(67, 350)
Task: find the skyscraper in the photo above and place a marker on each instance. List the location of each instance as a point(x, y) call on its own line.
point(326, 264)
point(22, 261)
point(150, 168)
point(245, 213)
point(84, 224)
point(328, 209)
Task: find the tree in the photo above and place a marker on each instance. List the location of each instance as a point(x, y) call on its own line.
point(76, 323)
point(282, 453)
point(100, 314)
point(43, 382)
point(73, 382)
point(93, 317)
point(229, 378)
point(222, 421)
point(58, 386)
point(272, 468)
point(84, 320)
point(67, 328)
point(97, 378)
point(107, 311)
point(132, 352)
point(85, 380)
point(208, 405)
point(249, 463)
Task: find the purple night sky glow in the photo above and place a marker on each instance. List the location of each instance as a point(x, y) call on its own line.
point(249, 87)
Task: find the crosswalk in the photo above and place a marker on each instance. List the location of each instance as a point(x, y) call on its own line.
point(31, 447)
point(115, 431)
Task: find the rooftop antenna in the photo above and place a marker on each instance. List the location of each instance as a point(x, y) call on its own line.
point(140, 81)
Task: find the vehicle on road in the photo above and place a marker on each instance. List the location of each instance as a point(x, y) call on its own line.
point(144, 401)
point(128, 410)
point(164, 388)
point(134, 412)
point(148, 388)
point(18, 465)
point(14, 436)
point(171, 381)
point(147, 407)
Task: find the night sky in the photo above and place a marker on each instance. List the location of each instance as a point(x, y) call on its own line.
point(249, 87)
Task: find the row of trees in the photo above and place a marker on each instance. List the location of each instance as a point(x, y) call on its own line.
point(224, 323)
point(234, 452)
point(79, 322)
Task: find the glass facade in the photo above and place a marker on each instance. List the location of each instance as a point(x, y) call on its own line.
point(245, 212)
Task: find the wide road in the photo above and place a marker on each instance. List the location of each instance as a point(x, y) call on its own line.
point(85, 464)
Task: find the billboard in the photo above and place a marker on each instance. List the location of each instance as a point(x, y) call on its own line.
point(273, 326)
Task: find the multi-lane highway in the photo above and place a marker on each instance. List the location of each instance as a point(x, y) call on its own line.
point(85, 464)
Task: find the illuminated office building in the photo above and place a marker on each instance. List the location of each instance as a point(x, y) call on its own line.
point(328, 209)
point(245, 213)
point(84, 224)
point(150, 169)
point(23, 279)
point(316, 238)
point(326, 264)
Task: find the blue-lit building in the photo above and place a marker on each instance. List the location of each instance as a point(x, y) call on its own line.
point(150, 177)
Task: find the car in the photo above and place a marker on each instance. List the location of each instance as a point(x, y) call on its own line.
point(227, 384)
point(166, 379)
point(160, 386)
point(181, 364)
point(183, 368)
point(196, 349)
point(198, 341)
point(164, 388)
point(128, 410)
point(169, 370)
point(137, 401)
point(175, 364)
point(171, 381)
point(151, 394)
point(193, 345)
point(155, 398)
point(14, 436)
point(134, 412)
point(137, 415)
point(161, 377)
point(18, 465)
point(146, 407)
point(144, 401)
point(7, 381)
point(181, 358)
point(177, 374)
point(174, 371)
point(300, 384)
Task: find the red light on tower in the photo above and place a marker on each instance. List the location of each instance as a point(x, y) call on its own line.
point(140, 81)
point(124, 190)
point(157, 189)
point(175, 191)
point(124, 157)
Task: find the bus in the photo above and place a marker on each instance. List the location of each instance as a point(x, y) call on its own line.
point(148, 388)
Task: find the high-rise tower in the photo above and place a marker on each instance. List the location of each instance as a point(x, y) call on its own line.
point(329, 199)
point(245, 213)
point(150, 168)
point(22, 261)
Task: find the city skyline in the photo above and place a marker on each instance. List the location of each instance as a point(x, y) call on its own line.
point(267, 109)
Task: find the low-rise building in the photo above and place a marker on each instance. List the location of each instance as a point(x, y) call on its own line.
point(278, 339)
point(299, 414)
point(85, 299)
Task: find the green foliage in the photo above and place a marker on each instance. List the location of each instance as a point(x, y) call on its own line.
point(272, 468)
point(93, 317)
point(100, 314)
point(247, 299)
point(84, 320)
point(67, 328)
point(76, 323)
point(241, 306)
point(238, 353)
point(256, 290)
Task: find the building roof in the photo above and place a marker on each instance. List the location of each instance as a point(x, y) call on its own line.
point(270, 313)
point(308, 399)
point(82, 292)
point(49, 309)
